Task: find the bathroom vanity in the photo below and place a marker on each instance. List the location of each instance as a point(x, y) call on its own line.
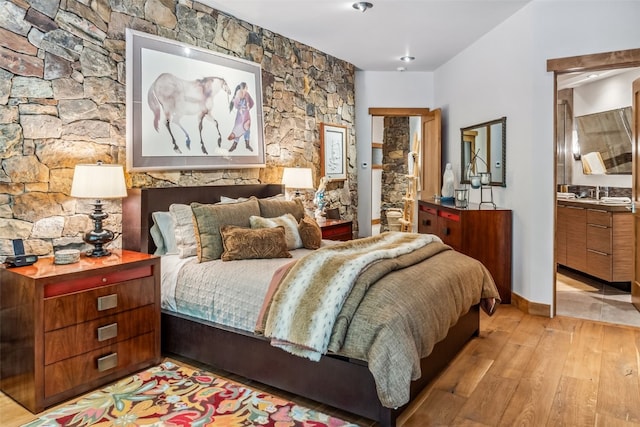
point(595, 238)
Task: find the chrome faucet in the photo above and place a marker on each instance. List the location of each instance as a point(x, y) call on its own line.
point(605, 189)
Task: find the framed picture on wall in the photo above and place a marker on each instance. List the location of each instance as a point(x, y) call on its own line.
point(191, 108)
point(333, 151)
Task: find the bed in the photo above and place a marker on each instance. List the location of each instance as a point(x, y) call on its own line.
point(337, 380)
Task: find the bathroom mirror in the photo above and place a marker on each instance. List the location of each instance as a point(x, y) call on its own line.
point(483, 150)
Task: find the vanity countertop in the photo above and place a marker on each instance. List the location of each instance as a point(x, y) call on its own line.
point(595, 204)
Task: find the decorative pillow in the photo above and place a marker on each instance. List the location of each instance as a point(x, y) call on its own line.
point(248, 243)
point(209, 219)
point(310, 233)
point(157, 240)
point(185, 232)
point(224, 200)
point(167, 227)
point(287, 221)
point(272, 208)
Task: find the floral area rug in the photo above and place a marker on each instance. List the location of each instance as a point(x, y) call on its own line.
point(170, 395)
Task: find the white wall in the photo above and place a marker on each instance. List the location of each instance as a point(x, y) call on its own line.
point(504, 74)
point(603, 95)
point(382, 90)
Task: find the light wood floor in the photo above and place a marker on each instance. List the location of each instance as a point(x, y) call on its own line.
point(523, 370)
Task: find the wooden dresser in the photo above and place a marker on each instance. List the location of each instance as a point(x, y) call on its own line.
point(482, 233)
point(67, 329)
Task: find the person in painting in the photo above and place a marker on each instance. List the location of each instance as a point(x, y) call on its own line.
point(242, 102)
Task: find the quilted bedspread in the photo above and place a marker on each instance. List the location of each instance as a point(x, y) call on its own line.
point(398, 308)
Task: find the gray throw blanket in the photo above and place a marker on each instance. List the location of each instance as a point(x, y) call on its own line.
point(308, 300)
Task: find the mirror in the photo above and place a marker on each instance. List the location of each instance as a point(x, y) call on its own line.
point(604, 142)
point(483, 150)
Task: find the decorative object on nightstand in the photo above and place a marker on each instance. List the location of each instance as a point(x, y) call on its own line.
point(72, 328)
point(297, 179)
point(336, 229)
point(98, 181)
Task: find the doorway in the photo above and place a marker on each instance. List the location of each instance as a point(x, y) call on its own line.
point(577, 294)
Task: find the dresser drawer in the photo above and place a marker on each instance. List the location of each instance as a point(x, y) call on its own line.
point(599, 238)
point(599, 264)
point(600, 217)
point(88, 336)
point(67, 310)
point(70, 373)
point(427, 221)
point(450, 229)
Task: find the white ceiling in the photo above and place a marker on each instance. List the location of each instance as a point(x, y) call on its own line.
point(433, 31)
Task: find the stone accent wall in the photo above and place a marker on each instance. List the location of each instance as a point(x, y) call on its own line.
point(62, 102)
point(395, 152)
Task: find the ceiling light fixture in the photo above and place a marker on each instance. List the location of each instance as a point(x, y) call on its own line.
point(401, 69)
point(407, 58)
point(362, 6)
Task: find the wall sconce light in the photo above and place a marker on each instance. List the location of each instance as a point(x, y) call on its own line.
point(298, 179)
point(98, 181)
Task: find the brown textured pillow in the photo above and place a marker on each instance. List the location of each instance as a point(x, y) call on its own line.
point(310, 233)
point(247, 243)
point(209, 219)
point(271, 208)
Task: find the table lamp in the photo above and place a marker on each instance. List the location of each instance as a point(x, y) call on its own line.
point(98, 181)
point(297, 178)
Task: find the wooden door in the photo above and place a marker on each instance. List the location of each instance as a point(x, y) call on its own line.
point(635, 284)
point(431, 172)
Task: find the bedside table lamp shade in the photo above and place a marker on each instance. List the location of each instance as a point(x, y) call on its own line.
point(297, 178)
point(98, 181)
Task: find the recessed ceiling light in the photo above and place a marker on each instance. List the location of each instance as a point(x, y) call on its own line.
point(362, 6)
point(407, 58)
point(401, 69)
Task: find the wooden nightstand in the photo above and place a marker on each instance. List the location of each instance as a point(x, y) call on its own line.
point(336, 229)
point(67, 329)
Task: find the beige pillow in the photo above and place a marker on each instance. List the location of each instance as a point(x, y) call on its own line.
point(310, 233)
point(184, 232)
point(247, 243)
point(209, 219)
point(287, 221)
point(272, 208)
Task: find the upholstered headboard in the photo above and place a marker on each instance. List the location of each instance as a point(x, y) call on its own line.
point(140, 203)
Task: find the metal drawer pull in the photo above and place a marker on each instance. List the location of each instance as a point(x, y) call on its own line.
point(107, 362)
point(108, 301)
point(597, 226)
point(107, 332)
point(598, 252)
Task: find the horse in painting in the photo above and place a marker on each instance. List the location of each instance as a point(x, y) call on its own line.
point(176, 98)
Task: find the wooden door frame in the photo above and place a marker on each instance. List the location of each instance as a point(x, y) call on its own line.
point(595, 62)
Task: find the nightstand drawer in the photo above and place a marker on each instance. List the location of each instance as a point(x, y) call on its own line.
point(336, 229)
point(67, 310)
point(77, 371)
point(97, 333)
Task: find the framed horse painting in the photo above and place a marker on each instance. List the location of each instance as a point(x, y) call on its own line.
point(191, 108)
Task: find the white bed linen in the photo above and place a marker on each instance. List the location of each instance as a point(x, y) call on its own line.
point(226, 292)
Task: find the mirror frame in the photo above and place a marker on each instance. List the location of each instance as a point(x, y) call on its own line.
point(463, 161)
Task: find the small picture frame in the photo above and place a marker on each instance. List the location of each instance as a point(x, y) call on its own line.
point(333, 151)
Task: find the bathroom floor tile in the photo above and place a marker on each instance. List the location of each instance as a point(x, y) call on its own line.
point(586, 298)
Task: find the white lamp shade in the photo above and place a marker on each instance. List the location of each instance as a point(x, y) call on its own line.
point(98, 181)
point(297, 178)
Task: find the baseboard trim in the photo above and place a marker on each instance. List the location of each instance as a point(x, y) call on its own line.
point(533, 308)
